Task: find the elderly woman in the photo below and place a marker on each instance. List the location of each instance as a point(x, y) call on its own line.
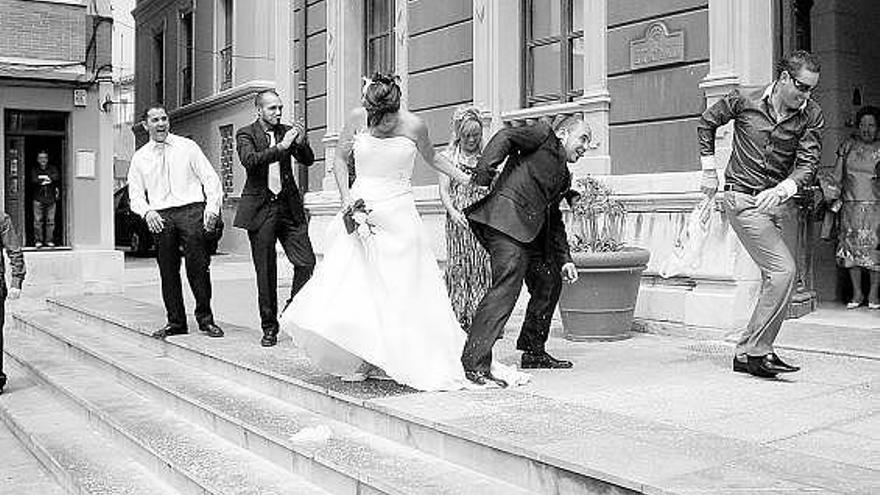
point(468, 274)
point(854, 186)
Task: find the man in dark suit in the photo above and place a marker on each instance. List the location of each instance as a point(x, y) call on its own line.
point(271, 206)
point(520, 225)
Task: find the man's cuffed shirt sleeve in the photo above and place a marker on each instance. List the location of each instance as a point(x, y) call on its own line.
point(714, 117)
point(209, 179)
point(136, 188)
point(12, 245)
point(809, 151)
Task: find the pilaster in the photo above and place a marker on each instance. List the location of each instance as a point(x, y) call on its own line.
point(344, 69)
point(596, 100)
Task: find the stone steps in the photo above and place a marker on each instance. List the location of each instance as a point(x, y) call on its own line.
point(180, 453)
point(22, 473)
point(67, 444)
point(281, 372)
point(329, 453)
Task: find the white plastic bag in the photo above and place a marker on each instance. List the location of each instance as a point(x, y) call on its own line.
point(687, 251)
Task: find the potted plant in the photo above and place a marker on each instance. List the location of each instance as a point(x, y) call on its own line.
point(600, 305)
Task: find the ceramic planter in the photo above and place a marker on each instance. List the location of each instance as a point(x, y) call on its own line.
point(600, 305)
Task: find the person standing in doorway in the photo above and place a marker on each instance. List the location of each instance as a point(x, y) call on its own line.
point(11, 243)
point(271, 207)
point(777, 141)
point(44, 178)
point(173, 186)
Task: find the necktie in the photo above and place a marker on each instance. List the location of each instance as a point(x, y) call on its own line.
point(274, 169)
point(164, 173)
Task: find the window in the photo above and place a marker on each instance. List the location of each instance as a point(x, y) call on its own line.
point(159, 68)
point(227, 150)
point(553, 51)
point(379, 42)
point(226, 30)
point(186, 58)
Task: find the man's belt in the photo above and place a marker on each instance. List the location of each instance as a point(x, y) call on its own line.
point(742, 189)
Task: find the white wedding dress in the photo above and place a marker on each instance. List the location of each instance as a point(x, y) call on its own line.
point(381, 298)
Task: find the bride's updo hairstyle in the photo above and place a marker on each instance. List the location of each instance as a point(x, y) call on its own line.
point(381, 97)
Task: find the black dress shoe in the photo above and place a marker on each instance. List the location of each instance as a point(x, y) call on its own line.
point(532, 360)
point(782, 365)
point(211, 330)
point(169, 330)
point(759, 366)
point(740, 366)
point(269, 339)
point(483, 378)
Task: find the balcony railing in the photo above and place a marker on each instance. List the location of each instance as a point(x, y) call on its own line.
point(226, 68)
point(186, 85)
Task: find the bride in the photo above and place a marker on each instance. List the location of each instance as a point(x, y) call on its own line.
point(377, 302)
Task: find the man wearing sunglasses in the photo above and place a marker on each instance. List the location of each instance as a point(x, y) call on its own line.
point(776, 147)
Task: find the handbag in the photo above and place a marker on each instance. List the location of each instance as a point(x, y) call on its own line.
point(687, 251)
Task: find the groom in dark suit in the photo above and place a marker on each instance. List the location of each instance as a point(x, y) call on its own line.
point(271, 206)
point(520, 225)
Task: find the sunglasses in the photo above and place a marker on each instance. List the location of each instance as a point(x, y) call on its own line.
point(800, 85)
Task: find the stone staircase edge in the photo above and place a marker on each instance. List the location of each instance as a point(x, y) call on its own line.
point(356, 476)
point(459, 433)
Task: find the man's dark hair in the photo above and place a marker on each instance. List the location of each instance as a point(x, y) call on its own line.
point(868, 110)
point(258, 98)
point(43, 152)
point(797, 60)
point(566, 122)
point(154, 106)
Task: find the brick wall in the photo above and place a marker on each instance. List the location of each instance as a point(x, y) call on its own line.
point(42, 30)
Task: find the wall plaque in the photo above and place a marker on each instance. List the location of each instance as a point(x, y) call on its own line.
point(80, 98)
point(658, 47)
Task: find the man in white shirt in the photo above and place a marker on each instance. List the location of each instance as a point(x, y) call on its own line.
point(173, 186)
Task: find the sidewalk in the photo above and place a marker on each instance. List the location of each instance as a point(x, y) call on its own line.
point(664, 411)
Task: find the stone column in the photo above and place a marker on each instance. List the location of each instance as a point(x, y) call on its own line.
point(104, 170)
point(401, 48)
point(596, 100)
point(344, 49)
point(485, 56)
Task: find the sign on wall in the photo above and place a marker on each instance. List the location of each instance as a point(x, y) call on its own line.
point(80, 98)
point(658, 47)
point(85, 164)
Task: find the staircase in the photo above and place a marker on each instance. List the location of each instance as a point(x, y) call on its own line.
point(107, 409)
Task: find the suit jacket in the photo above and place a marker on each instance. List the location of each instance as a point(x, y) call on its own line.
point(256, 155)
point(525, 198)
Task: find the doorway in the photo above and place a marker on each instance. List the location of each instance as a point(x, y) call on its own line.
point(29, 133)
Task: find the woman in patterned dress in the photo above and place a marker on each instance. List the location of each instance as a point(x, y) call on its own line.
point(855, 185)
point(468, 274)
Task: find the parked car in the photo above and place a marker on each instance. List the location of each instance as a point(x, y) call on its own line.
point(131, 229)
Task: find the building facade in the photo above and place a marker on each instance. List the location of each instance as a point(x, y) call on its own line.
point(640, 73)
point(55, 67)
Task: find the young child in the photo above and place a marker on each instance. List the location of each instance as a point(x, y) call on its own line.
point(10, 242)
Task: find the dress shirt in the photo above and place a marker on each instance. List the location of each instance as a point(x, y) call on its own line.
point(767, 152)
point(173, 173)
point(274, 167)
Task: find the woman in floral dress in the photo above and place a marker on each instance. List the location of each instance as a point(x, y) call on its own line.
point(855, 185)
point(468, 274)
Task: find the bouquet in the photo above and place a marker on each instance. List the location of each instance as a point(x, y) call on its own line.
point(356, 217)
